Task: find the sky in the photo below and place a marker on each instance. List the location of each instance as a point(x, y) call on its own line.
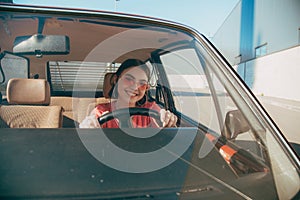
point(206, 16)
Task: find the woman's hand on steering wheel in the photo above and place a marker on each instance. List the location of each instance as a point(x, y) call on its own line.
point(90, 122)
point(167, 118)
point(163, 118)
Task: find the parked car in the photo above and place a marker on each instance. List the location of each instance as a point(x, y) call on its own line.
point(53, 67)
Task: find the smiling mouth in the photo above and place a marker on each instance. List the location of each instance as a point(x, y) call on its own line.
point(131, 93)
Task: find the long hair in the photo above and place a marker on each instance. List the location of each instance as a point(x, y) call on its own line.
point(127, 64)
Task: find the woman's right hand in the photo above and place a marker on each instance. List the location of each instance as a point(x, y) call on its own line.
point(90, 122)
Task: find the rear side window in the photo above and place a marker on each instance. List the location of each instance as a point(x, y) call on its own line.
point(74, 76)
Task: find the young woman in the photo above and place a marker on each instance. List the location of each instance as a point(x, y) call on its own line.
point(130, 90)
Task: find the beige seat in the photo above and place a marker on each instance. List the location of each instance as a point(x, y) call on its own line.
point(29, 105)
point(75, 109)
point(107, 85)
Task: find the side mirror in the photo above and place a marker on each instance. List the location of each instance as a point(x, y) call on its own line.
point(12, 66)
point(235, 124)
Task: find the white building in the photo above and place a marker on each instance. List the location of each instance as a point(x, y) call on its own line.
point(262, 39)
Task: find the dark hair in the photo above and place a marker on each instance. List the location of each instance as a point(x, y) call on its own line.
point(127, 64)
point(133, 63)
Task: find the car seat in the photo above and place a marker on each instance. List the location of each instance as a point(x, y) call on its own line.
point(28, 107)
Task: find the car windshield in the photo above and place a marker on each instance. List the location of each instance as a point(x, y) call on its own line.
point(54, 69)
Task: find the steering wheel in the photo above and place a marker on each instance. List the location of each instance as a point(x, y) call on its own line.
point(124, 116)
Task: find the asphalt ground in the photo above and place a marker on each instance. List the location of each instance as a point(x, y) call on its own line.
point(286, 114)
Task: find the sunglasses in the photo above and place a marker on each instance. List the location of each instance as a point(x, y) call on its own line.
point(130, 81)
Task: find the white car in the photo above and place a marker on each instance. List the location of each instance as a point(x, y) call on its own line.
point(54, 63)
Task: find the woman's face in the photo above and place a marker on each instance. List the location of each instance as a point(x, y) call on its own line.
point(132, 85)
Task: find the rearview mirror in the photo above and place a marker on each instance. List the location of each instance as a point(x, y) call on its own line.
point(235, 124)
point(40, 45)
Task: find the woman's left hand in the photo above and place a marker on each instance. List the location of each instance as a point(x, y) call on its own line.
point(168, 118)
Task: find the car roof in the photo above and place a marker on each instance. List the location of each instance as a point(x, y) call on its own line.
point(79, 26)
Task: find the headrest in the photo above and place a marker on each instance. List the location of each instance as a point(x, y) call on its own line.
point(107, 84)
point(28, 91)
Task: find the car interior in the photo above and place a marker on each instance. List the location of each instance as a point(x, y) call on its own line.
point(55, 67)
point(28, 104)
